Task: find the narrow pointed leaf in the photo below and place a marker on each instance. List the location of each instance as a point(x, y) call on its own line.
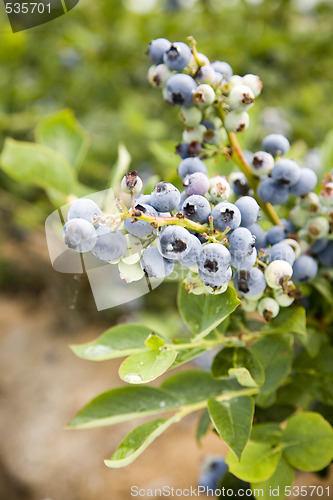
point(233, 421)
point(146, 366)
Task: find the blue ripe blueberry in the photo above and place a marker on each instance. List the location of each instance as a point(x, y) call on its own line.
point(306, 183)
point(140, 228)
point(286, 172)
point(216, 280)
point(192, 257)
point(178, 56)
point(196, 208)
point(239, 183)
point(191, 165)
point(183, 197)
point(326, 256)
point(80, 235)
point(244, 261)
point(281, 251)
point(276, 144)
point(110, 245)
point(205, 74)
point(275, 234)
point(241, 241)
point(165, 197)
point(319, 246)
point(154, 265)
point(208, 482)
point(185, 150)
point(288, 225)
point(304, 269)
point(214, 259)
point(262, 163)
point(249, 210)
point(223, 68)
point(259, 234)
point(250, 282)
point(143, 198)
point(196, 183)
point(179, 90)
point(272, 192)
point(157, 48)
point(226, 214)
point(174, 242)
point(83, 208)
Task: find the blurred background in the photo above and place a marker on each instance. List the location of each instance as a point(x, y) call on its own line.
point(93, 61)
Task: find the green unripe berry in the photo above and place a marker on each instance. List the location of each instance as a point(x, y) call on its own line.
point(268, 308)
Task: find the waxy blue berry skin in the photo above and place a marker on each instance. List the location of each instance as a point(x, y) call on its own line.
point(214, 259)
point(140, 228)
point(304, 269)
point(281, 251)
point(326, 256)
point(244, 261)
point(223, 68)
point(165, 197)
point(216, 280)
point(84, 208)
point(191, 258)
point(286, 172)
point(306, 182)
point(154, 265)
point(178, 56)
point(260, 235)
point(179, 90)
point(250, 282)
point(196, 183)
point(319, 246)
point(272, 192)
point(174, 242)
point(79, 235)
point(275, 234)
point(225, 215)
point(241, 241)
point(191, 165)
point(196, 208)
point(110, 245)
point(276, 144)
point(249, 210)
point(157, 48)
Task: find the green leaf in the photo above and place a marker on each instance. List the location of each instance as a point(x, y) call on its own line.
point(203, 313)
point(123, 404)
point(269, 432)
point(275, 355)
point(137, 441)
point(324, 288)
point(282, 477)
point(233, 421)
point(203, 425)
point(144, 367)
point(117, 342)
point(238, 362)
point(186, 355)
point(258, 462)
point(308, 441)
point(289, 320)
point(192, 386)
point(120, 168)
point(154, 342)
point(37, 165)
point(61, 132)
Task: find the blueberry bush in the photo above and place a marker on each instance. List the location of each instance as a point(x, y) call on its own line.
point(248, 236)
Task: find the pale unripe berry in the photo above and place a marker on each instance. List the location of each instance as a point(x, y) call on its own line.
point(318, 227)
point(241, 98)
point(219, 188)
point(204, 95)
point(282, 298)
point(194, 134)
point(191, 117)
point(158, 75)
point(276, 272)
point(254, 82)
point(268, 308)
point(131, 183)
point(237, 122)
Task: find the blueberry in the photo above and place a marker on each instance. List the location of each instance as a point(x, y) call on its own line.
point(154, 265)
point(268, 308)
point(250, 282)
point(179, 90)
point(239, 183)
point(244, 261)
point(304, 269)
point(241, 98)
point(223, 68)
point(281, 251)
point(286, 172)
point(192, 257)
point(319, 246)
point(205, 74)
point(174, 242)
point(196, 208)
point(254, 82)
point(226, 214)
point(84, 208)
point(158, 75)
point(140, 228)
point(110, 245)
point(191, 165)
point(260, 235)
point(262, 163)
point(165, 197)
point(276, 144)
point(249, 210)
point(178, 56)
point(326, 256)
point(306, 183)
point(80, 235)
point(214, 259)
point(204, 95)
point(185, 150)
point(157, 48)
point(191, 117)
point(216, 280)
point(241, 241)
point(275, 235)
point(276, 272)
point(272, 192)
point(236, 121)
point(196, 183)
point(288, 225)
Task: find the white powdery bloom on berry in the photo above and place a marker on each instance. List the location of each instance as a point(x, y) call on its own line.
point(276, 272)
point(219, 188)
point(241, 98)
point(236, 80)
point(237, 122)
point(254, 82)
point(194, 134)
